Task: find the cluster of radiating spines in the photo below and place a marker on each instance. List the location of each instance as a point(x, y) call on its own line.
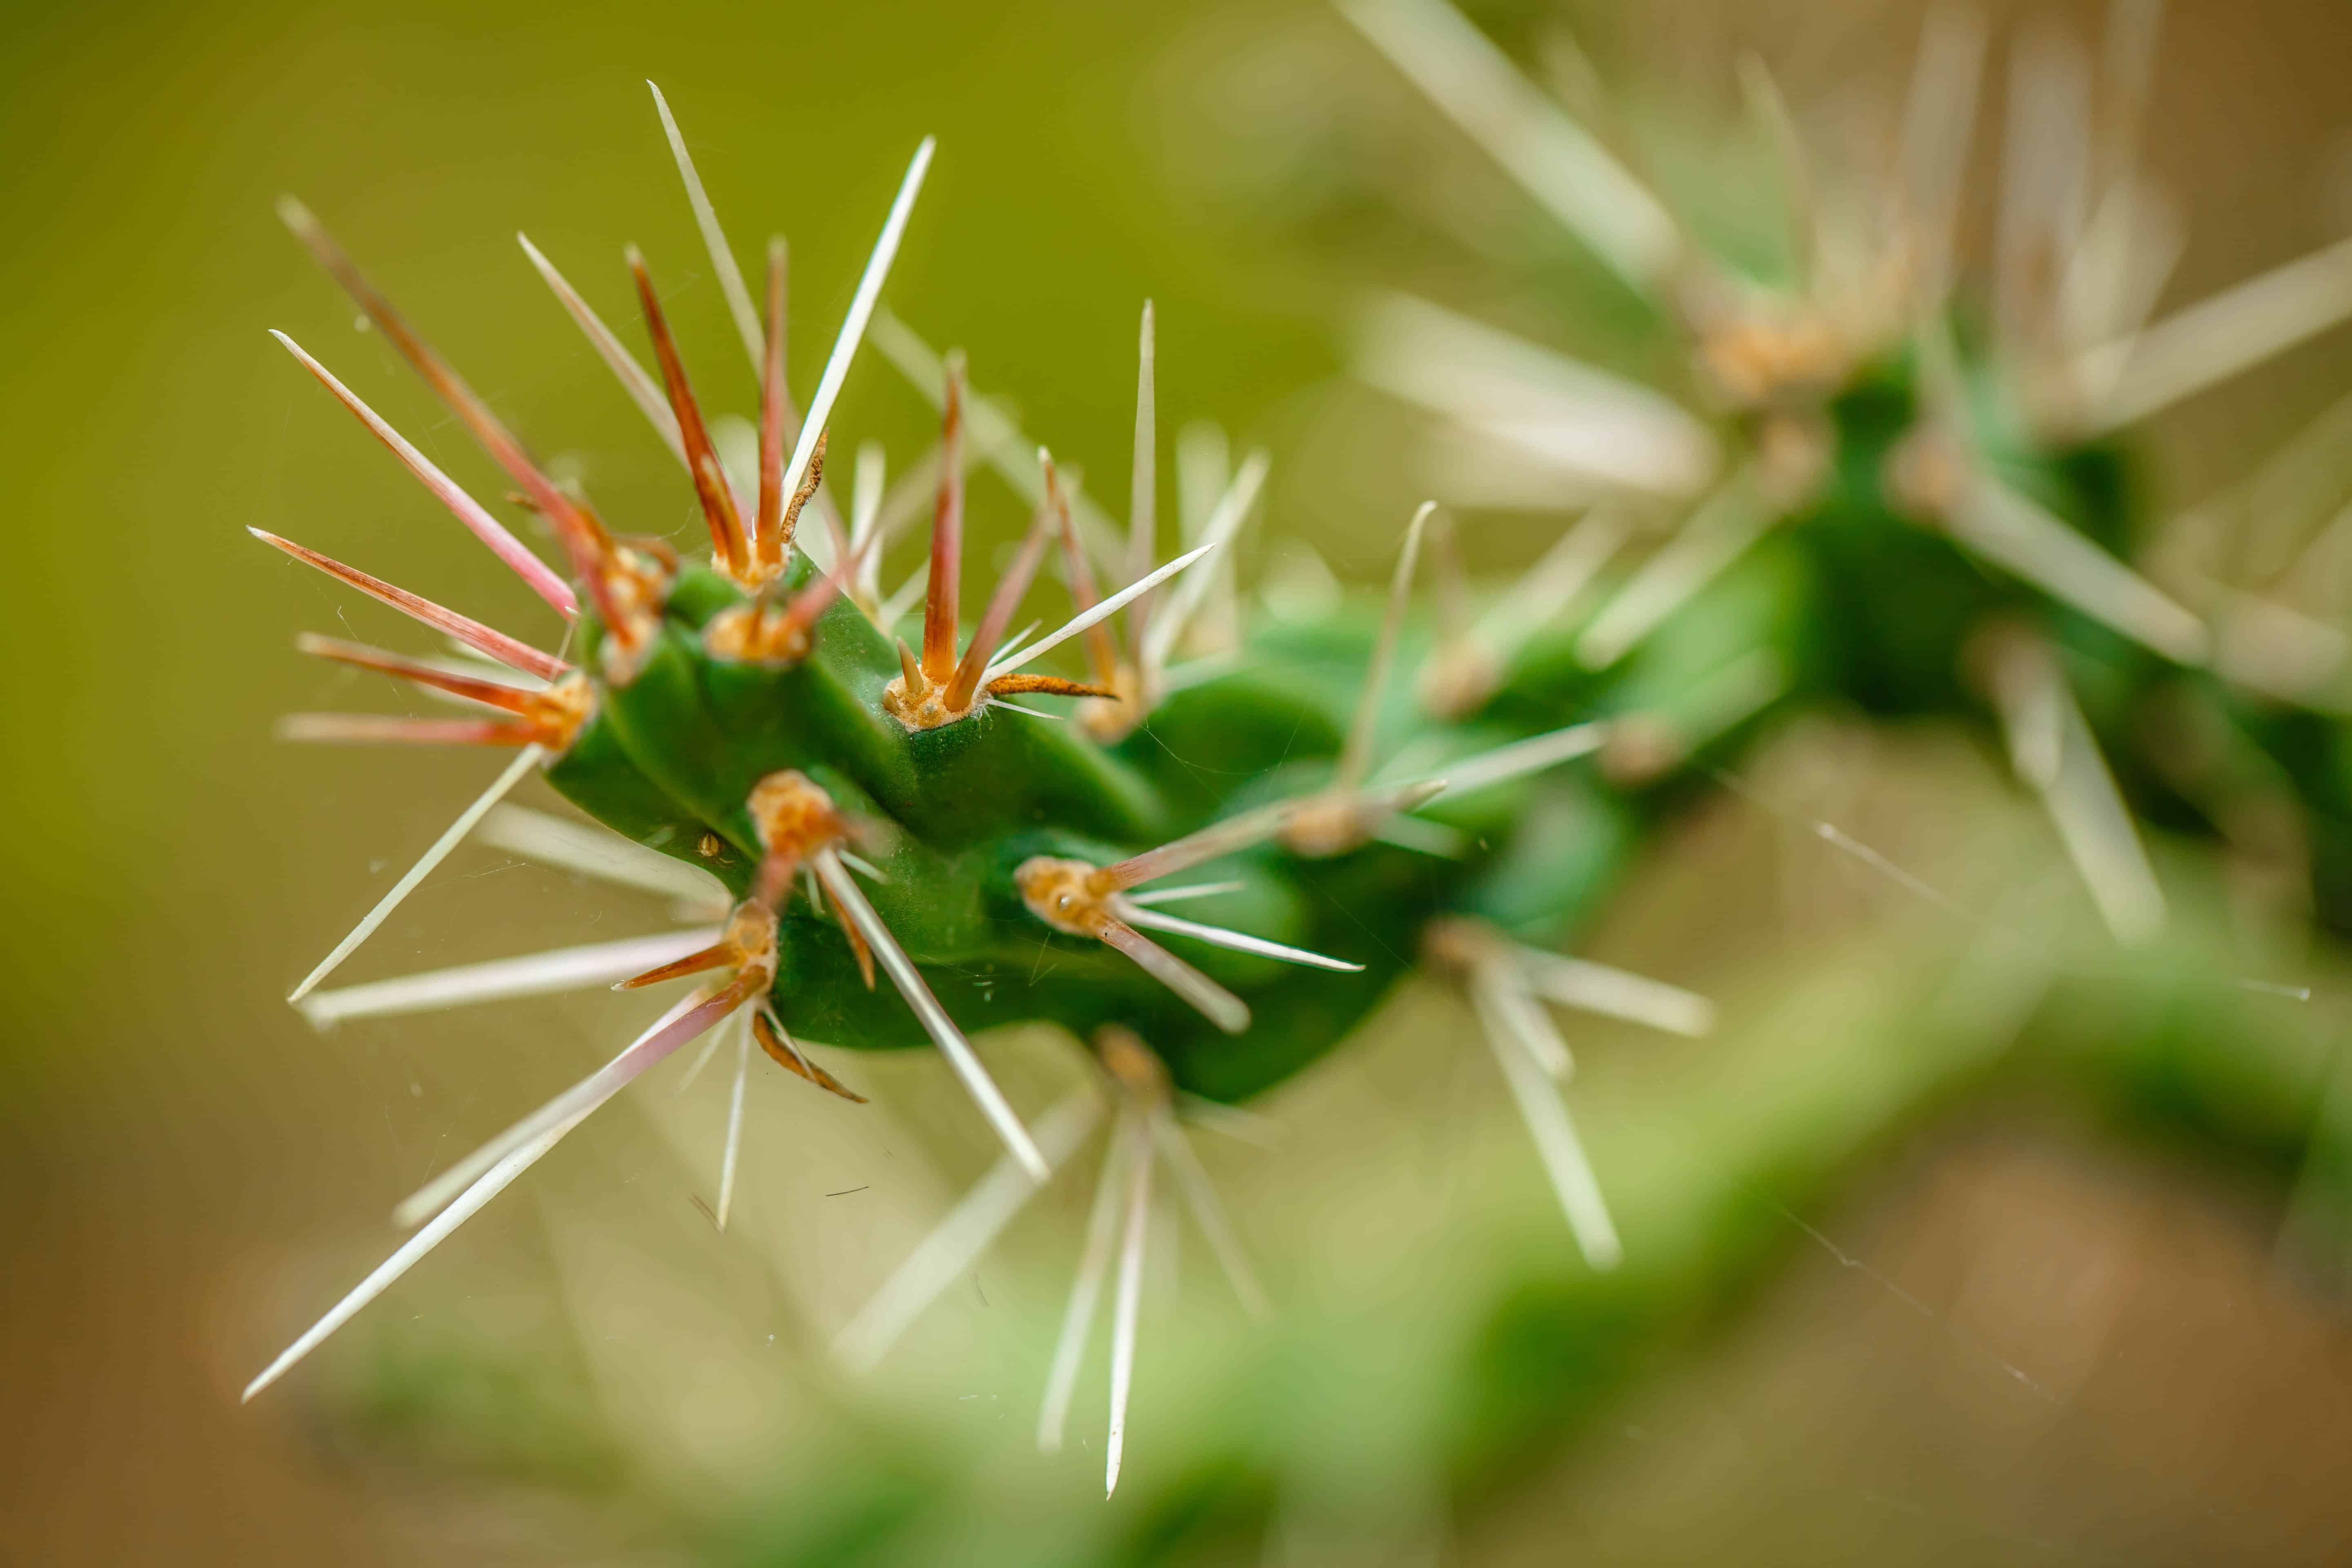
point(626, 583)
point(546, 700)
point(1509, 986)
point(938, 685)
point(1132, 1088)
point(2085, 244)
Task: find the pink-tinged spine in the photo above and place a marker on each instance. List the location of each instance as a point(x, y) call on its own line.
point(469, 511)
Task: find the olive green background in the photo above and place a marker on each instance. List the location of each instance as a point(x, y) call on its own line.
point(173, 1140)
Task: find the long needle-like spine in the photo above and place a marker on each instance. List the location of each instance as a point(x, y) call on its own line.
point(1143, 484)
point(1135, 1132)
point(768, 536)
point(449, 840)
point(469, 511)
point(726, 536)
point(939, 657)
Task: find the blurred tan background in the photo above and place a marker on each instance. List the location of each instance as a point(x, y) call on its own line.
point(191, 1169)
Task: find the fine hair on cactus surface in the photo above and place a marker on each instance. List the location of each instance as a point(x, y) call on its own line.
point(1202, 829)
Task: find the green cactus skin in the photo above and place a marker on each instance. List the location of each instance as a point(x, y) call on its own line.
point(669, 758)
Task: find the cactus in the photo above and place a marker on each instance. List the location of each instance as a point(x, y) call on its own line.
point(1888, 505)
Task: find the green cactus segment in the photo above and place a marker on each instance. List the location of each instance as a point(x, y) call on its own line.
point(1898, 601)
point(671, 757)
point(1847, 599)
point(597, 775)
